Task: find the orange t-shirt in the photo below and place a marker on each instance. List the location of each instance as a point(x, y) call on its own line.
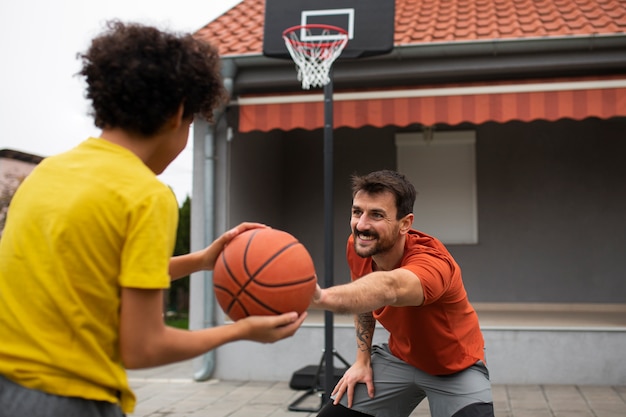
point(442, 336)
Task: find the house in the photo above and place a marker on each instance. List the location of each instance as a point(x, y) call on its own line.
point(14, 167)
point(510, 118)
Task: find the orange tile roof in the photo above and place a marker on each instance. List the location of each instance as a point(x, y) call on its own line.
point(239, 31)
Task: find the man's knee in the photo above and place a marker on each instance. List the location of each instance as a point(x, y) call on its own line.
point(476, 410)
point(339, 410)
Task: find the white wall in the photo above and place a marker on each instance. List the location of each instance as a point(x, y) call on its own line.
point(515, 356)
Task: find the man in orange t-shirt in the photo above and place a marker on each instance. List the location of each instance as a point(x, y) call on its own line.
point(409, 283)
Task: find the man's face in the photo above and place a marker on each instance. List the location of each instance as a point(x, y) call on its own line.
point(373, 223)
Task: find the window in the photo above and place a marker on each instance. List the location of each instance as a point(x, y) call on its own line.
point(442, 166)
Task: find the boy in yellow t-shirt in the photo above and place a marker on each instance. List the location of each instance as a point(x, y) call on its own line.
point(86, 251)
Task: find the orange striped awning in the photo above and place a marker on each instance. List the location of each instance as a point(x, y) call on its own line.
point(450, 104)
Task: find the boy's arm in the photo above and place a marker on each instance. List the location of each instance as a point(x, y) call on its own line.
point(204, 259)
point(145, 340)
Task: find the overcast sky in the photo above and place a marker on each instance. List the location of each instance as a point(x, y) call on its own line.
point(42, 106)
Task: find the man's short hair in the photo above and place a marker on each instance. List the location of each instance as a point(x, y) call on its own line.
point(386, 180)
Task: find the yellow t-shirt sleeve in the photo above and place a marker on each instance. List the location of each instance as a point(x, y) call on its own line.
point(150, 242)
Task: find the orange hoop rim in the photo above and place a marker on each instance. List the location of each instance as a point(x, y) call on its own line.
point(319, 44)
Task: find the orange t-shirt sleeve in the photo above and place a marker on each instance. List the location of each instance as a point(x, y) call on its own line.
point(435, 275)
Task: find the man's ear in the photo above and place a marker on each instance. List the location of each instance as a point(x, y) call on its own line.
point(406, 223)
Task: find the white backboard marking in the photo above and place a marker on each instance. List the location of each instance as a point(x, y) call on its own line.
point(347, 14)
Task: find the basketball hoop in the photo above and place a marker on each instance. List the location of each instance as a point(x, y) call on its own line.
point(314, 48)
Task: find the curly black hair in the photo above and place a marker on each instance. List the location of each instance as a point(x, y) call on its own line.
point(138, 76)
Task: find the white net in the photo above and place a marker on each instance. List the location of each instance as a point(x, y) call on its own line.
point(314, 58)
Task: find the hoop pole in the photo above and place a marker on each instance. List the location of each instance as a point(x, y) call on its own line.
point(328, 234)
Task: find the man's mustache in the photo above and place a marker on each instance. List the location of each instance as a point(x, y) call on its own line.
point(365, 233)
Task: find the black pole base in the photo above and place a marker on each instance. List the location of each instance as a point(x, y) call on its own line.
point(316, 388)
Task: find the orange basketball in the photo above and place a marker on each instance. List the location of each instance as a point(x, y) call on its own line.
point(264, 272)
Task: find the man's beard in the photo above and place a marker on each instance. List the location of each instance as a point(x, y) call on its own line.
point(381, 246)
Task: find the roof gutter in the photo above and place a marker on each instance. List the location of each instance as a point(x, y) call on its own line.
point(465, 48)
point(445, 62)
point(572, 43)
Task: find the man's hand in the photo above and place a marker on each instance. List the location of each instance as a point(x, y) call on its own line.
point(356, 374)
point(317, 297)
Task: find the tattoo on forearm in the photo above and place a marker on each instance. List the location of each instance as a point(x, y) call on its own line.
point(364, 324)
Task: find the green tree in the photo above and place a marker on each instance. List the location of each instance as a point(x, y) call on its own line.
point(183, 237)
point(178, 297)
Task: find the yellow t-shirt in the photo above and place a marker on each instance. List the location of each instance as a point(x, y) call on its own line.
point(81, 226)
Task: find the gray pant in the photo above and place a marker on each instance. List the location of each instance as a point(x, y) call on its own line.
point(400, 387)
point(18, 401)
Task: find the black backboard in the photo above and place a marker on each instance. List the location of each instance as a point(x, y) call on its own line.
point(370, 24)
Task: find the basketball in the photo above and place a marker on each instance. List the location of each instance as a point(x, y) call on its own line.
point(264, 272)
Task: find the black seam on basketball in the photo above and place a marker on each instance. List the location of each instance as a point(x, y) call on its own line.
point(229, 307)
point(269, 260)
point(286, 284)
point(259, 302)
point(241, 305)
point(245, 254)
point(226, 290)
point(243, 286)
point(232, 295)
